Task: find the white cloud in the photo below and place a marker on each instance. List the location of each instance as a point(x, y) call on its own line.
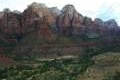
point(109, 11)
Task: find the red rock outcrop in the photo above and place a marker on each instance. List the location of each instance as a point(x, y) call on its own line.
point(43, 29)
point(69, 20)
point(34, 12)
point(10, 23)
point(37, 16)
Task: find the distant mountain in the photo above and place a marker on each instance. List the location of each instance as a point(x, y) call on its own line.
point(40, 26)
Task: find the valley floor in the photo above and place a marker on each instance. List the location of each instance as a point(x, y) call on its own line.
point(86, 67)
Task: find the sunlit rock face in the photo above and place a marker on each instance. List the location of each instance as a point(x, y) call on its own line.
point(69, 20)
point(10, 22)
point(39, 25)
point(35, 11)
point(70, 11)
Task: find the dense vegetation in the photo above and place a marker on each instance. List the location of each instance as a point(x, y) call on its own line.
point(57, 69)
point(65, 69)
point(115, 76)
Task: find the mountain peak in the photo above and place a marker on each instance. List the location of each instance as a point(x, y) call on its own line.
point(111, 23)
point(39, 8)
point(37, 5)
point(69, 9)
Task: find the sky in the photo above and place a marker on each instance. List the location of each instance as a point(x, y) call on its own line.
point(104, 9)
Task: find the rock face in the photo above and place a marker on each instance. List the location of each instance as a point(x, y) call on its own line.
point(43, 30)
point(99, 22)
point(39, 18)
point(34, 12)
point(55, 11)
point(10, 23)
point(111, 23)
point(112, 26)
point(87, 21)
point(41, 27)
point(69, 20)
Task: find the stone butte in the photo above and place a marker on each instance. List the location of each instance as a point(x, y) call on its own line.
point(10, 22)
point(34, 12)
point(39, 25)
point(69, 20)
point(37, 17)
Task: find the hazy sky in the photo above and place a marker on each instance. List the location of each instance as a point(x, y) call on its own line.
point(105, 9)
